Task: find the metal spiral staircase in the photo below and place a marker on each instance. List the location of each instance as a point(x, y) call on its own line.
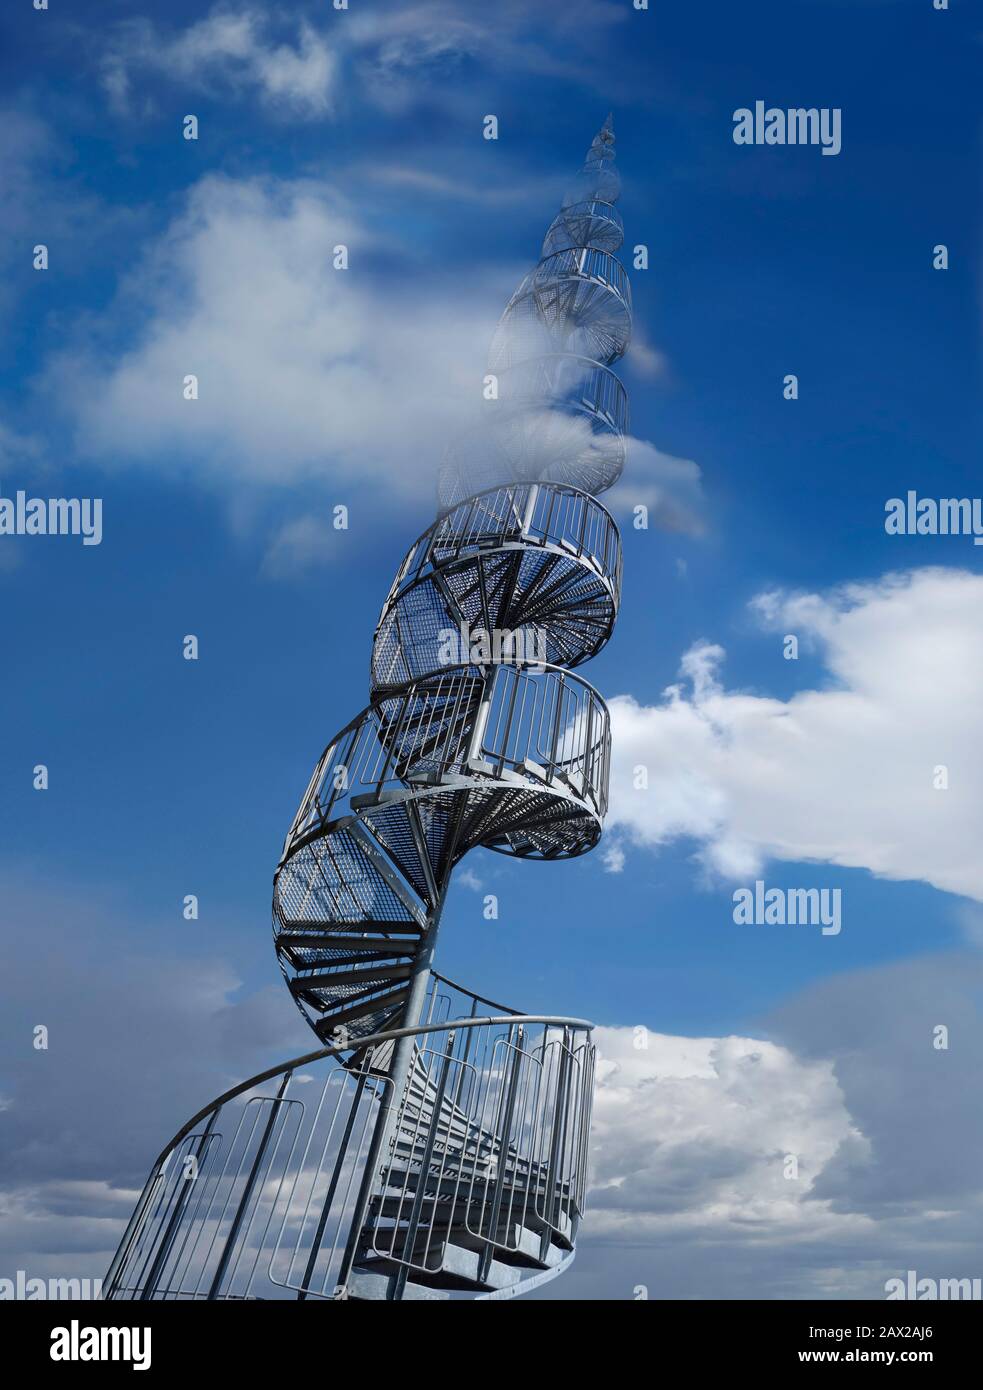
point(435, 1145)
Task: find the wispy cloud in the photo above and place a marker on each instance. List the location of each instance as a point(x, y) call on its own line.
point(44, 200)
point(396, 46)
point(235, 48)
point(396, 56)
point(467, 878)
point(670, 488)
point(304, 543)
point(613, 856)
point(502, 187)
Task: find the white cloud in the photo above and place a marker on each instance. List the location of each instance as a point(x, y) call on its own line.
point(26, 146)
point(671, 489)
point(613, 857)
point(16, 449)
point(304, 371)
point(646, 361)
point(689, 1193)
point(690, 1197)
point(301, 544)
point(395, 48)
point(359, 380)
point(418, 36)
point(842, 774)
point(461, 182)
point(394, 56)
point(232, 48)
point(969, 918)
point(692, 1134)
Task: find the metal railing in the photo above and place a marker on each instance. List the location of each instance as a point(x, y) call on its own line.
point(445, 606)
point(565, 380)
point(591, 222)
point(490, 1151)
point(598, 179)
point(600, 148)
point(585, 263)
point(544, 514)
point(551, 726)
point(265, 1192)
point(560, 417)
point(543, 724)
point(559, 307)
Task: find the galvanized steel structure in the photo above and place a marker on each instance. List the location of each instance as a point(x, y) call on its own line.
point(435, 1145)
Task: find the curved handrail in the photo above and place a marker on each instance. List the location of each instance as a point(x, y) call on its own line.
point(388, 714)
point(616, 418)
point(372, 1040)
point(516, 510)
point(548, 1144)
point(587, 263)
point(597, 178)
point(478, 998)
point(544, 388)
point(598, 212)
point(538, 314)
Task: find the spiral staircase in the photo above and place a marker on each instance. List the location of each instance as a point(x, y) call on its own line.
point(435, 1144)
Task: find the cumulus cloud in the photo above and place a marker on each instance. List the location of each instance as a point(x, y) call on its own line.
point(842, 774)
point(910, 1088)
point(358, 380)
point(691, 1141)
point(693, 1134)
point(692, 1138)
point(304, 370)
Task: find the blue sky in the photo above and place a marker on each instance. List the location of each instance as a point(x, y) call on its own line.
point(170, 777)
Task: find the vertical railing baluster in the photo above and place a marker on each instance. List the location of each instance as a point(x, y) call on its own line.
point(244, 1200)
point(164, 1248)
point(556, 1140)
point(504, 1134)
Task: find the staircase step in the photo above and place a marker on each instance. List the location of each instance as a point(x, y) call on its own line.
point(364, 1285)
point(333, 1017)
point(344, 939)
point(334, 964)
point(514, 1243)
point(517, 1168)
point(374, 974)
point(446, 1187)
point(458, 1268)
